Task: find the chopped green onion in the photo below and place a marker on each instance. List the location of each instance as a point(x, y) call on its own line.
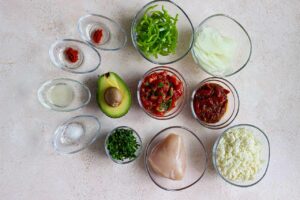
point(122, 144)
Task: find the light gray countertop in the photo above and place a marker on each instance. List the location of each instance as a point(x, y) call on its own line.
point(269, 90)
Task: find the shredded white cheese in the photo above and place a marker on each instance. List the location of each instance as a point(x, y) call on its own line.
point(239, 155)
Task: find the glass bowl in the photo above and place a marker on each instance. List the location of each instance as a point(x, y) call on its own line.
point(76, 134)
point(180, 102)
point(138, 151)
point(196, 159)
point(80, 94)
point(232, 106)
point(113, 35)
point(184, 27)
point(233, 31)
point(88, 57)
point(262, 137)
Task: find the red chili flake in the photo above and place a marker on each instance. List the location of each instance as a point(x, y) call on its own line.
point(71, 54)
point(97, 36)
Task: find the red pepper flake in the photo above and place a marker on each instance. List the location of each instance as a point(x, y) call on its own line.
point(71, 54)
point(97, 36)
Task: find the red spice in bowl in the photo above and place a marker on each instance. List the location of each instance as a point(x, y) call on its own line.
point(97, 36)
point(71, 55)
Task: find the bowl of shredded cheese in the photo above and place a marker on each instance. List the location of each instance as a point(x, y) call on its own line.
point(241, 155)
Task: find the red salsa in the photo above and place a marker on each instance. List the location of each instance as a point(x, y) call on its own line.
point(97, 36)
point(160, 91)
point(210, 102)
point(71, 55)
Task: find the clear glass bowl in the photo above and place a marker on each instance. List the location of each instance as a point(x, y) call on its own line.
point(114, 36)
point(76, 134)
point(184, 27)
point(138, 151)
point(88, 57)
point(232, 107)
point(230, 28)
point(196, 159)
point(180, 102)
point(262, 137)
point(81, 94)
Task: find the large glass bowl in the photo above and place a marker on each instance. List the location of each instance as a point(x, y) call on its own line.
point(196, 156)
point(180, 102)
point(229, 28)
point(232, 106)
point(184, 27)
point(265, 154)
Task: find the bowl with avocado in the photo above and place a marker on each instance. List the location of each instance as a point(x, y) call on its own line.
point(113, 95)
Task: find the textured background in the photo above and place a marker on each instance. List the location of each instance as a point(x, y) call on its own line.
point(269, 91)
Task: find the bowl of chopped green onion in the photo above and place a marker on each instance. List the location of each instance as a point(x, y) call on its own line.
point(162, 32)
point(123, 145)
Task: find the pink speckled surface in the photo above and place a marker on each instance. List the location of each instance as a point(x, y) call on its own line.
point(269, 91)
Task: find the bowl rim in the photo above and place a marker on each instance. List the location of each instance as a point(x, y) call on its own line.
point(214, 156)
point(236, 103)
point(248, 36)
point(139, 150)
point(64, 67)
point(184, 95)
point(41, 88)
point(134, 21)
point(148, 168)
point(109, 19)
point(69, 120)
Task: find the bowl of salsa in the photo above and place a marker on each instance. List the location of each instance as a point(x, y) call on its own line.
point(215, 103)
point(161, 92)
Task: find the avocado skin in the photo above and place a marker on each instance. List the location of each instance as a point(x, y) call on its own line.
point(121, 110)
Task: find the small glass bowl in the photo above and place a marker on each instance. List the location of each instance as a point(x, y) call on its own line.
point(88, 130)
point(196, 156)
point(180, 102)
point(262, 137)
point(88, 57)
point(138, 151)
point(230, 28)
point(232, 107)
point(114, 36)
point(81, 94)
point(185, 32)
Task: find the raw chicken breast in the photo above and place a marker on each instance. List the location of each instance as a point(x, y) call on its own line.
point(168, 158)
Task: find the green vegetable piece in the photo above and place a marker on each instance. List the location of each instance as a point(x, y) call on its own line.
point(122, 144)
point(157, 33)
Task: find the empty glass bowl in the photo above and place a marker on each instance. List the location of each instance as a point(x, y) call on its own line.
point(88, 58)
point(76, 134)
point(184, 27)
point(265, 154)
point(179, 103)
point(196, 158)
point(232, 106)
point(138, 151)
point(110, 35)
point(63, 95)
point(222, 47)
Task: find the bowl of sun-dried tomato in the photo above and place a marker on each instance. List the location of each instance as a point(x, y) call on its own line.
point(215, 103)
point(162, 92)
